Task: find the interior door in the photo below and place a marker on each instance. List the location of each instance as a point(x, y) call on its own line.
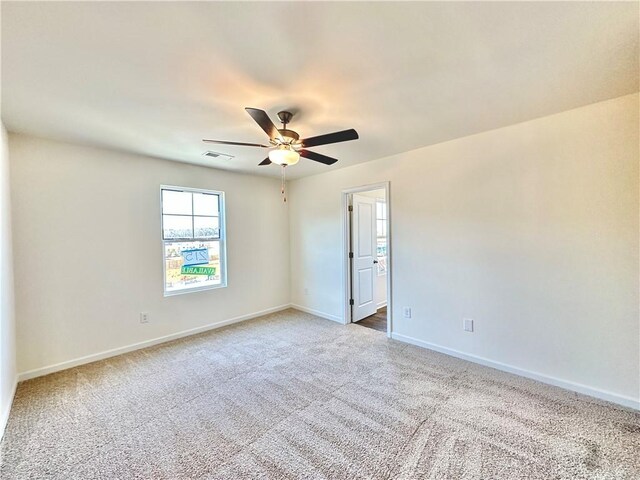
point(363, 265)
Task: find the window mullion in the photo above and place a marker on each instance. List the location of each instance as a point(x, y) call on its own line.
point(193, 222)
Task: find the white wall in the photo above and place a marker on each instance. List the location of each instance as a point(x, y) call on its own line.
point(531, 230)
point(88, 254)
point(7, 318)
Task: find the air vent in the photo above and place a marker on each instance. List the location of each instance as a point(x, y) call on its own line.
point(219, 156)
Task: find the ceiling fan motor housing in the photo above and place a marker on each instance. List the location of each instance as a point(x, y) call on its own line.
point(289, 135)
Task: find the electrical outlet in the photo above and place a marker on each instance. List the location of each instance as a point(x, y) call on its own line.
point(467, 324)
point(406, 312)
point(144, 317)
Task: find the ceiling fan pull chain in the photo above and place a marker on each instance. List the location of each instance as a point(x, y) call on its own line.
point(282, 190)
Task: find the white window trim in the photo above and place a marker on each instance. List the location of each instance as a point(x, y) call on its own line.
point(222, 240)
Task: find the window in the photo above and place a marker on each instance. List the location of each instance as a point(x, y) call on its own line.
point(381, 228)
point(193, 239)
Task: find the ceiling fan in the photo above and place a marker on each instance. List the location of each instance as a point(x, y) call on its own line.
point(287, 148)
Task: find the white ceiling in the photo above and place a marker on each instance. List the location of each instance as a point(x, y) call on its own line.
point(156, 78)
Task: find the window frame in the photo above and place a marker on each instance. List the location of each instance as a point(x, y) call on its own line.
point(222, 227)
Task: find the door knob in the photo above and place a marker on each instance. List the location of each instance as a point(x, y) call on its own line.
point(375, 261)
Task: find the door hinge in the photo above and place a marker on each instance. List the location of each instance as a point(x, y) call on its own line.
point(351, 301)
point(350, 254)
point(351, 208)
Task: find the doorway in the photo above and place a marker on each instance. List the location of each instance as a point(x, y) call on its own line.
point(367, 252)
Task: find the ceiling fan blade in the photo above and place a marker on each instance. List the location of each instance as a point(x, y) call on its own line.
point(318, 157)
point(242, 144)
point(262, 119)
point(343, 136)
point(266, 161)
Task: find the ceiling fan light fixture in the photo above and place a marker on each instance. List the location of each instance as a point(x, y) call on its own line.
point(284, 155)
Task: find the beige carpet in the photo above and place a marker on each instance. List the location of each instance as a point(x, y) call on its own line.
point(294, 396)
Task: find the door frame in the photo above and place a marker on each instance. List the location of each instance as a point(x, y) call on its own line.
point(346, 236)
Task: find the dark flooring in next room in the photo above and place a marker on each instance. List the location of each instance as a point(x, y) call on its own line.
point(377, 321)
point(293, 396)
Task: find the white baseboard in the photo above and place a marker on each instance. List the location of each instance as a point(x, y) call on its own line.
point(4, 415)
point(317, 313)
point(381, 305)
point(623, 400)
point(38, 372)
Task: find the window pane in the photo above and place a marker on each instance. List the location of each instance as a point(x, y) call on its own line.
point(177, 203)
point(206, 227)
point(177, 226)
point(203, 275)
point(191, 220)
point(205, 204)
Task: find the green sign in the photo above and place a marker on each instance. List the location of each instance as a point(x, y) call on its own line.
point(210, 271)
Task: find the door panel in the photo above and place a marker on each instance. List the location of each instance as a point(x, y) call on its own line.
point(363, 231)
point(365, 218)
point(365, 294)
